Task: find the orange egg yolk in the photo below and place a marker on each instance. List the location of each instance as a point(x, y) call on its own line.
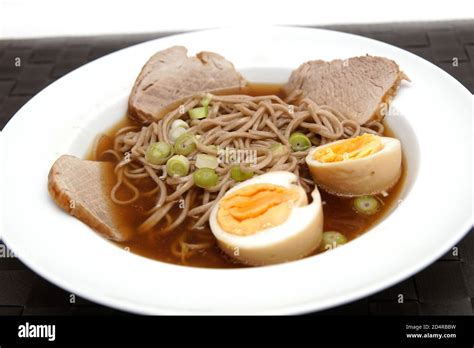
point(350, 149)
point(255, 207)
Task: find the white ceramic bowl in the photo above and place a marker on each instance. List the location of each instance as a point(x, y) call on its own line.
point(433, 124)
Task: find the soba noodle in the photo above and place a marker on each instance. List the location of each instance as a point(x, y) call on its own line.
point(237, 122)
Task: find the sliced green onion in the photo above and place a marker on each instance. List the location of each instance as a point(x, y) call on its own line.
point(367, 205)
point(185, 144)
point(239, 175)
point(299, 142)
point(206, 161)
point(178, 165)
point(175, 133)
point(278, 149)
point(205, 178)
point(158, 153)
point(179, 123)
point(333, 239)
point(206, 100)
point(198, 113)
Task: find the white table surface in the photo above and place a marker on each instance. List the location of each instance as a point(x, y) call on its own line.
point(44, 18)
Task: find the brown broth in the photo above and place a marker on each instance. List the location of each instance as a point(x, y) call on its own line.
point(339, 214)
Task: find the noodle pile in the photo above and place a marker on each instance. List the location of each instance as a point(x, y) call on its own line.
point(239, 122)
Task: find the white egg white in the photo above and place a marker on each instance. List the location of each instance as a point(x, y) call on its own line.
point(363, 176)
point(297, 237)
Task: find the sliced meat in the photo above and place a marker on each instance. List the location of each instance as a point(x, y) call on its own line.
point(360, 88)
point(79, 187)
point(170, 76)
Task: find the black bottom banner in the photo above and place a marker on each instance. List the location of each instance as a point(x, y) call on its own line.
point(136, 330)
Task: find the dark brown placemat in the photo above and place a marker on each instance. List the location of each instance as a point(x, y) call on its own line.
point(446, 287)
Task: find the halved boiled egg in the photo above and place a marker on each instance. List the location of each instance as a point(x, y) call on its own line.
point(267, 220)
point(364, 165)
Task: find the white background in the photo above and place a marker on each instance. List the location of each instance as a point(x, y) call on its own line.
point(40, 18)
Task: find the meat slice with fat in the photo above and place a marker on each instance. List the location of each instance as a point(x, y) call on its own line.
point(170, 76)
point(80, 188)
point(360, 88)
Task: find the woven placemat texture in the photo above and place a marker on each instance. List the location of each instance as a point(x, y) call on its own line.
point(444, 288)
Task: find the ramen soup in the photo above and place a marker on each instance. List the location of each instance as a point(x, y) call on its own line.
point(257, 178)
